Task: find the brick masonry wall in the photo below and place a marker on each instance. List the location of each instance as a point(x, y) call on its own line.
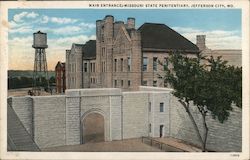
point(23, 108)
point(234, 57)
point(49, 121)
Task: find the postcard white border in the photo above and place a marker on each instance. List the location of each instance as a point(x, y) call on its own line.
point(4, 6)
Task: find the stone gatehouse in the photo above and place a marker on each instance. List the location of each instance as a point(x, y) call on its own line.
point(64, 120)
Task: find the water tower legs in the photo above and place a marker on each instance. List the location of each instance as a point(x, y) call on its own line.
point(40, 74)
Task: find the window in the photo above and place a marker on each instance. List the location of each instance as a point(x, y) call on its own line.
point(103, 66)
point(93, 67)
point(145, 63)
point(155, 83)
point(115, 83)
point(121, 64)
point(122, 83)
point(149, 106)
point(155, 63)
point(129, 83)
point(85, 67)
point(129, 64)
point(115, 65)
point(102, 34)
point(103, 51)
point(149, 128)
point(144, 83)
point(161, 107)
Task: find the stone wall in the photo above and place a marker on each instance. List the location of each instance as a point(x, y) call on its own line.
point(49, 121)
point(72, 117)
point(81, 102)
point(225, 136)
point(135, 114)
point(23, 108)
point(160, 118)
point(56, 120)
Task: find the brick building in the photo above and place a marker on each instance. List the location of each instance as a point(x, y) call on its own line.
point(60, 77)
point(123, 56)
point(232, 56)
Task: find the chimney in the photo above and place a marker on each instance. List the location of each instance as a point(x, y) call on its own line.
point(130, 22)
point(201, 42)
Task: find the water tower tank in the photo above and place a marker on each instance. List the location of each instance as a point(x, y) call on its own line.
point(39, 40)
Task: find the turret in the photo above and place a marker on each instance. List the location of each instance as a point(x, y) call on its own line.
point(130, 22)
point(98, 29)
point(201, 42)
point(117, 26)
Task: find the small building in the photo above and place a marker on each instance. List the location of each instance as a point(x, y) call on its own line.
point(60, 77)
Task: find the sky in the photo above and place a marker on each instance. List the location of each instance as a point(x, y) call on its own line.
point(222, 28)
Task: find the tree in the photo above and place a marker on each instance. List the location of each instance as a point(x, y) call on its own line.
point(209, 83)
point(52, 80)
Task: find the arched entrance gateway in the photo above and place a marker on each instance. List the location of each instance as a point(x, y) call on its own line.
point(92, 127)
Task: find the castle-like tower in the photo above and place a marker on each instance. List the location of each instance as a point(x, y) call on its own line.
point(118, 53)
point(123, 56)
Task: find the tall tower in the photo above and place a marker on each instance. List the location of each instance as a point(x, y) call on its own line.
point(40, 74)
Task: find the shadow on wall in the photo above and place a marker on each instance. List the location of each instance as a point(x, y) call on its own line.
point(93, 128)
point(225, 137)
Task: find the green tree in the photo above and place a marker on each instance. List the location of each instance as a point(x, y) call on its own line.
point(209, 83)
point(52, 80)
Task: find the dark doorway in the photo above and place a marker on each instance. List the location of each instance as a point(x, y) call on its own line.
point(93, 128)
point(161, 130)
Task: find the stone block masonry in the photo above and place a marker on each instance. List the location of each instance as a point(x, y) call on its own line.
point(23, 106)
point(58, 120)
point(49, 121)
point(225, 136)
point(135, 114)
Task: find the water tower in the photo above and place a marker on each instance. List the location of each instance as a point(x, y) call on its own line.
point(40, 74)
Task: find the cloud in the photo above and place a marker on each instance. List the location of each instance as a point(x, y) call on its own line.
point(20, 48)
point(76, 29)
point(215, 39)
point(66, 42)
point(62, 20)
point(32, 15)
point(13, 24)
point(44, 19)
point(87, 25)
point(19, 17)
point(68, 30)
point(23, 29)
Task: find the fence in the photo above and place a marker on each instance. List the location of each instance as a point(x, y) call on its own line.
point(160, 145)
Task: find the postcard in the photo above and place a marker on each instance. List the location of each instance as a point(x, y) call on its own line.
point(124, 80)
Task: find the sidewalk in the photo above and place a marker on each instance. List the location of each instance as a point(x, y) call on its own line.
point(178, 144)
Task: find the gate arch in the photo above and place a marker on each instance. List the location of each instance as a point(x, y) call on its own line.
point(101, 116)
